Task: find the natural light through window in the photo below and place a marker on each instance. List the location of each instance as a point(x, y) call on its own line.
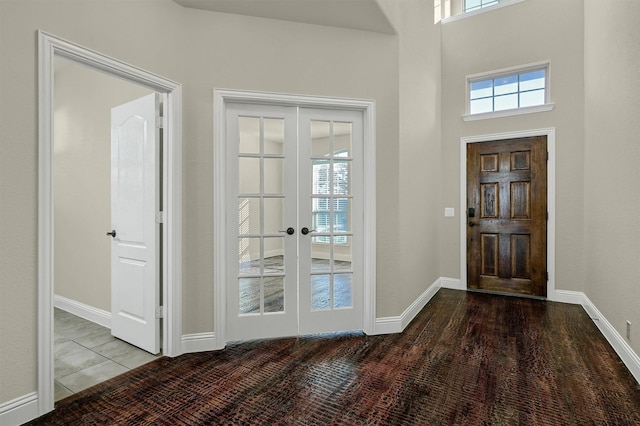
point(323, 207)
point(514, 90)
point(471, 5)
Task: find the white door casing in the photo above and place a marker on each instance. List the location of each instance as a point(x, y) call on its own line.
point(135, 292)
point(49, 47)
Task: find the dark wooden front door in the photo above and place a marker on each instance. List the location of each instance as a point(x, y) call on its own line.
point(507, 216)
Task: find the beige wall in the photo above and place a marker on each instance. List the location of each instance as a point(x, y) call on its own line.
point(419, 168)
point(83, 98)
point(527, 32)
point(612, 162)
point(238, 52)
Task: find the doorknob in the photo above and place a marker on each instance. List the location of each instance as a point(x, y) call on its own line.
point(306, 230)
point(289, 231)
point(112, 233)
point(472, 224)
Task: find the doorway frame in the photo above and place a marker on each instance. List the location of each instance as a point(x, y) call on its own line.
point(368, 107)
point(550, 133)
point(50, 46)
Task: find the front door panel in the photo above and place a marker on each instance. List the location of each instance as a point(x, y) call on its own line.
point(506, 217)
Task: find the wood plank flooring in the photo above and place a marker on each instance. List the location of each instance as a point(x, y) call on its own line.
point(466, 359)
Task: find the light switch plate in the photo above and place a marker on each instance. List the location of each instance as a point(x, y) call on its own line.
point(449, 212)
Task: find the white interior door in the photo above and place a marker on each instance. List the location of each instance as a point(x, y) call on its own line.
point(135, 290)
point(294, 214)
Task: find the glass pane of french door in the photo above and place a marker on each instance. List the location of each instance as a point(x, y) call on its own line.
point(261, 289)
point(330, 214)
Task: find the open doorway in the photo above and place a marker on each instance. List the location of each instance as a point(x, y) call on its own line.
point(51, 180)
point(86, 352)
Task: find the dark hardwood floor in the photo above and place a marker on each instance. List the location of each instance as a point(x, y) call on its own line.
point(466, 359)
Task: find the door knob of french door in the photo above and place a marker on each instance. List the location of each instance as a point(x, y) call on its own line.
point(112, 233)
point(290, 231)
point(306, 230)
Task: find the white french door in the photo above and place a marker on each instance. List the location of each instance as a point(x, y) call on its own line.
point(294, 215)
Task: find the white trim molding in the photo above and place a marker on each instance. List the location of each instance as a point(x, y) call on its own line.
point(550, 133)
point(390, 325)
point(629, 357)
point(82, 310)
point(368, 107)
point(476, 12)
point(50, 47)
point(198, 342)
point(509, 112)
point(617, 342)
point(19, 410)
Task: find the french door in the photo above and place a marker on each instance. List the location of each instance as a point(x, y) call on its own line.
point(294, 216)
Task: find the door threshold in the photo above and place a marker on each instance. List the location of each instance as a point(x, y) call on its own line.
point(505, 293)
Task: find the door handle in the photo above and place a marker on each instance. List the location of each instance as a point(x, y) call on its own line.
point(472, 224)
point(306, 230)
point(112, 233)
point(289, 231)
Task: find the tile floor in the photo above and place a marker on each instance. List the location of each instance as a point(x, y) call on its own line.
point(86, 354)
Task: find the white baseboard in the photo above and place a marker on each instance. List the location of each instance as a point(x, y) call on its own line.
point(389, 325)
point(451, 283)
point(566, 296)
point(19, 410)
point(617, 342)
point(198, 342)
point(87, 312)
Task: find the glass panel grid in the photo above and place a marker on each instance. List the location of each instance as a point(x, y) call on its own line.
point(331, 203)
point(471, 5)
point(505, 92)
point(260, 216)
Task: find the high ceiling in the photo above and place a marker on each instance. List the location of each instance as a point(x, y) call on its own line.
point(363, 15)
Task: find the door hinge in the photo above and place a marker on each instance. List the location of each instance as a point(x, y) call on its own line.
point(159, 217)
point(160, 312)
point(547, 155)
point(547, 216)
point(160, 122)
point(546, 276)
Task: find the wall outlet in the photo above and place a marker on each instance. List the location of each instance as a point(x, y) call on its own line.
point(628, 330)
point(449, 212)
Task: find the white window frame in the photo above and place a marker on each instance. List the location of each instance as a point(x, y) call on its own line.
point(482, 5)
point(462, 14)
point(546, 106)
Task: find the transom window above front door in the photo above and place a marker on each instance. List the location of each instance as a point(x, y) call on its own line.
point(508, 92)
